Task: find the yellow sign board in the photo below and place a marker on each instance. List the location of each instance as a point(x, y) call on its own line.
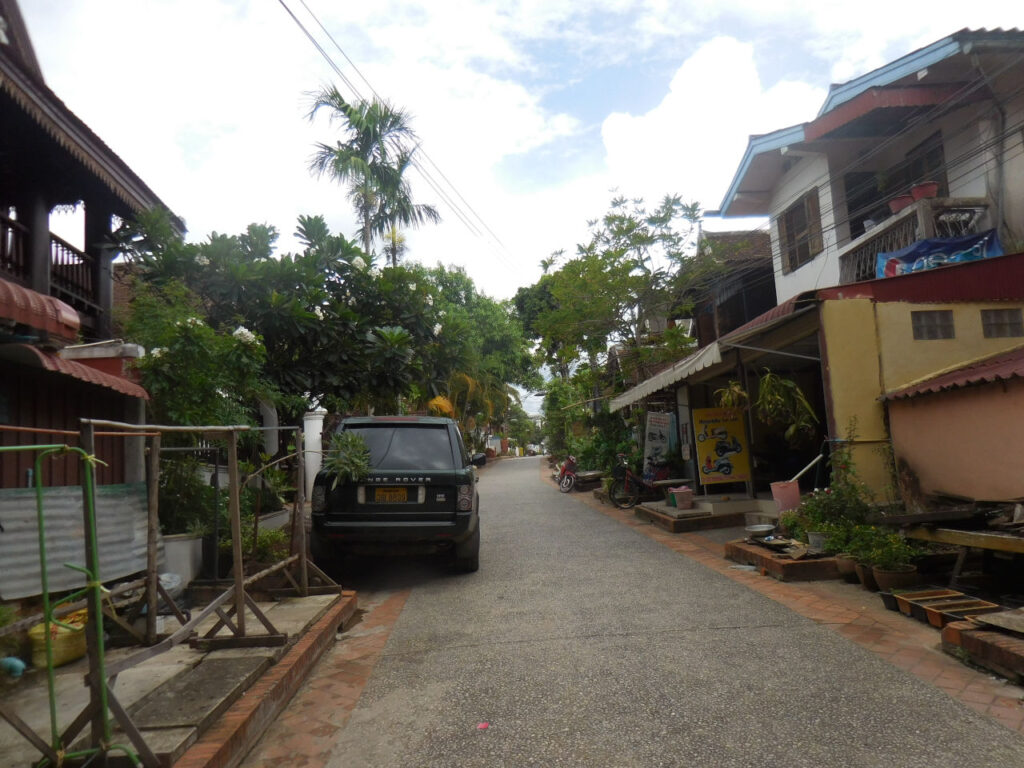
point(722, 452)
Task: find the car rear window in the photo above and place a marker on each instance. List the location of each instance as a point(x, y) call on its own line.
point(405, 447)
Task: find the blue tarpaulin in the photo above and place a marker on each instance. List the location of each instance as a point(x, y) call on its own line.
point(937, 252)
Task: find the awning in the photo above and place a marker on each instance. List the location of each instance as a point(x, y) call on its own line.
point(32, 357)
point(42, 313)
point(686, 367)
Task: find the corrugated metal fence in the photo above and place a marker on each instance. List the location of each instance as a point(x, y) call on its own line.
point(121, 518)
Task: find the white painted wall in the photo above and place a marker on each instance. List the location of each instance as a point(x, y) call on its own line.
point(809, 171)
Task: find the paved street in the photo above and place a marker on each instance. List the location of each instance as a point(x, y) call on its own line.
point(583, 642)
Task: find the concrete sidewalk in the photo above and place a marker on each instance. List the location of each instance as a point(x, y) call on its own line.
point(193, 708)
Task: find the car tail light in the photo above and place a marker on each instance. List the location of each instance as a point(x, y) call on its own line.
point(319, 499)
point(465, 502)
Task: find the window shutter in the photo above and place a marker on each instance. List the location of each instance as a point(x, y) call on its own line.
point(814, 242)
point(783, 244)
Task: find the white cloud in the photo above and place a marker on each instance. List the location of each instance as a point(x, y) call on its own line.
point(205, 100)
point(692, 141)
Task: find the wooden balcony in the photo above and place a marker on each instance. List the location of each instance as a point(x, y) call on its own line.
point(925, 219)
point(73, 273)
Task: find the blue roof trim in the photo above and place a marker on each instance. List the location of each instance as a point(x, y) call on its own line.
point(893, 71)
point(758, 145)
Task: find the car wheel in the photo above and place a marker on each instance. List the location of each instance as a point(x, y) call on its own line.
point(467, 554)
point(567, 483)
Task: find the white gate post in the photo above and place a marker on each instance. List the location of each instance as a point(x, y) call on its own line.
point(312, 427)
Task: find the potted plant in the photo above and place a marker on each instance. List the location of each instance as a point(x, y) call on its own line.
point(862, 547)
point(892, 563)
point(347, 458)
point(924, 189)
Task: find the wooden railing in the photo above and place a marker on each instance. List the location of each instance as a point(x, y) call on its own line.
point(934, 217)
point(13, 245)
point(72, 275)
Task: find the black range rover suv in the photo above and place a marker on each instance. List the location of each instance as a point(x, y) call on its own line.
point(419, 497)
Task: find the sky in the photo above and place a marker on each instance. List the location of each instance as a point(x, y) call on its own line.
point(531, 114)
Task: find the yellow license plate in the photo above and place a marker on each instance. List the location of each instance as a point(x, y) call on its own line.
point(390, 495)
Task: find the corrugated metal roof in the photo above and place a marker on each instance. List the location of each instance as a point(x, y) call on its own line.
point(1000, 278)
point(43, 313)
point(26, 354)
point(121, 519)
point(1001, 367)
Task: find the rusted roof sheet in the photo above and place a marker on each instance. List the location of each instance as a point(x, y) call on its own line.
point(44, 313)
point(26, 354)
point(1001, 367)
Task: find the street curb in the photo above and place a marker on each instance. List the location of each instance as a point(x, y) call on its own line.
point(238, 729)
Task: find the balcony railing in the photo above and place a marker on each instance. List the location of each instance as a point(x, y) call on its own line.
point(72, 274)
point(13, 246)
point(931, 217)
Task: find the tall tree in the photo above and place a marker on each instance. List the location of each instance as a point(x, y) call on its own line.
point(372, 159)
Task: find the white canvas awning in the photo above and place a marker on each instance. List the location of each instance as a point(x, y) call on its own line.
point(698, 361)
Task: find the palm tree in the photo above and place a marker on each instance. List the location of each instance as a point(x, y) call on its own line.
point(372, 160)
point(394, 246)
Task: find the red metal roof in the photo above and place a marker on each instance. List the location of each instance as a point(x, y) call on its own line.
point(43, 313)
point(1001, 367)
point(26, 354)
point(997, 279)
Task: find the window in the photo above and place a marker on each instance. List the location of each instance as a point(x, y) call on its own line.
point(1002, 323)
point(932, 324)
point(800, 232)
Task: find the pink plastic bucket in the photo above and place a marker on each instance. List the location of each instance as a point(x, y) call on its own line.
point(786, 494)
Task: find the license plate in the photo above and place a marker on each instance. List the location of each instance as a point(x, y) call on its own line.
point(390, 495)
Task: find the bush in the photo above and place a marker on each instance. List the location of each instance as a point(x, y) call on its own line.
point(186, 500)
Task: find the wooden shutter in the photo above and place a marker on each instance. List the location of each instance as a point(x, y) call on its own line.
point(814, 241)
point(780, 222)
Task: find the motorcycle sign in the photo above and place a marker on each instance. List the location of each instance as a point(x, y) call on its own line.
point(721, 445)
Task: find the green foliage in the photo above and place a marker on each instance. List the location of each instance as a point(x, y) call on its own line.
point(347, 458)
point(891, 550)
point(272, 544)
point(330, 327)
point(626, 274)
point(185, 500)
point(600, 446)
point(781, 402)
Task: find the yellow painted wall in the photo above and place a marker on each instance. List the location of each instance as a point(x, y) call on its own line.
point(852, 365)
point(870, 349)
point(906, 360)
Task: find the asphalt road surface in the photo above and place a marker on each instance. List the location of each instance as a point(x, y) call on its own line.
point(582, 643)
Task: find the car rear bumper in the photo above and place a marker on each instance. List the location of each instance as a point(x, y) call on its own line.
point(362, 537)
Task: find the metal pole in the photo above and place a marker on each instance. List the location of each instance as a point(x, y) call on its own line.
point(96, 683)
point(234, 507)
point(216, 514)
point(153, 526)
point(300, 510)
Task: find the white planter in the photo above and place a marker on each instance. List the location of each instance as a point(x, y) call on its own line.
point(183, 555)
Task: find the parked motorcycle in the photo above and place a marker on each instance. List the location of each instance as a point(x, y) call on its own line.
point(567, 474)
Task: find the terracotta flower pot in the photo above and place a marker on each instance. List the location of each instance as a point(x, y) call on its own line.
point(867, 579)
point(897, 577)
point(847, 567)
point(925, 189)
point(900, 202)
